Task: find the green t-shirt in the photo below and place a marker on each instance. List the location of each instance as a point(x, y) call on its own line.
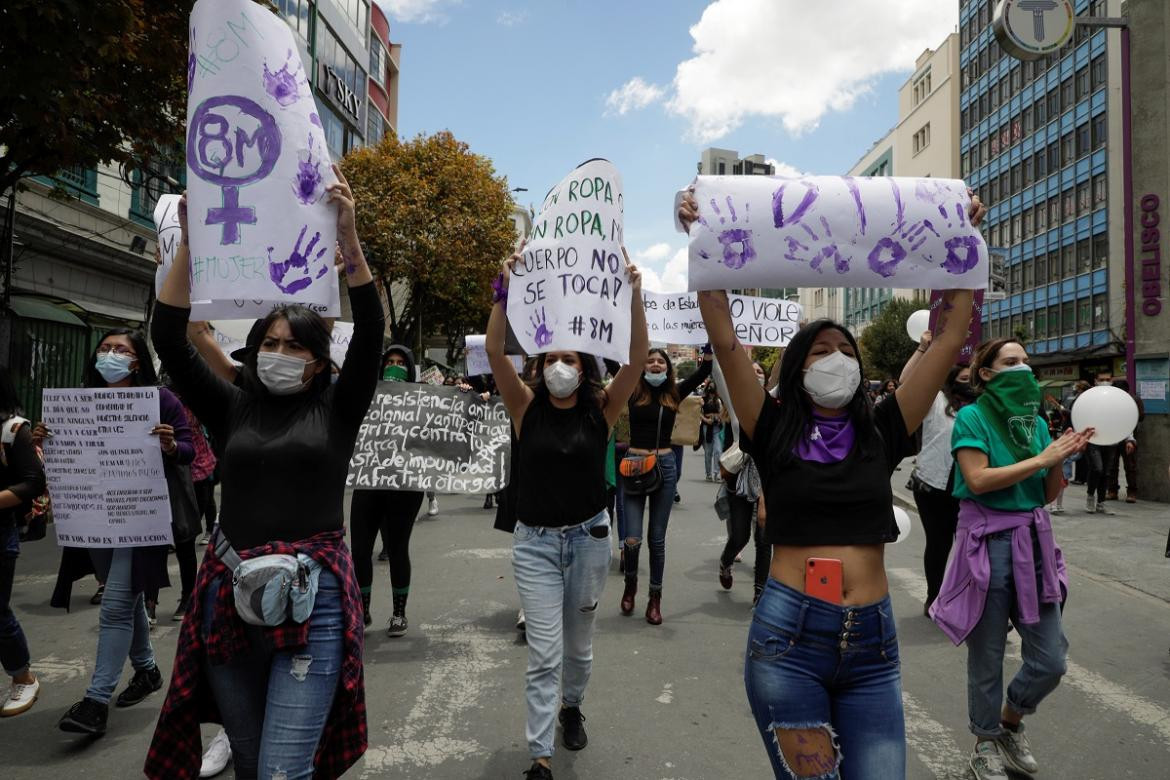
point(973, 430)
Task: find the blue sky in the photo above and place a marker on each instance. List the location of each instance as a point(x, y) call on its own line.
point(540, 86)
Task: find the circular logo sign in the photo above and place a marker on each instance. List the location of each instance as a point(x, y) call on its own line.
point(1030, 29)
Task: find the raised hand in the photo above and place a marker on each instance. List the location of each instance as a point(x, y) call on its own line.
point(1065, 447)
point(688, 210)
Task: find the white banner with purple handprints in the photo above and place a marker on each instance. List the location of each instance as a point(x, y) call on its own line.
point(673, 318)
point(570, 291)
point(261, 231)
point(812, 231)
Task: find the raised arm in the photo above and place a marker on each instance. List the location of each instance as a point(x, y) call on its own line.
point(929, 373)
point(622, 387)
point(688, 385)
point(743, 389)
point(513, 392)
point(203, 339)
point(981, 477)
point(908, 369)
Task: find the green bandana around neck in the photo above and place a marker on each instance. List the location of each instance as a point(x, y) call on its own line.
point(1010, 402)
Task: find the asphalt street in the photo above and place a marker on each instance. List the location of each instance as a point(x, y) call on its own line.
point(665, 703)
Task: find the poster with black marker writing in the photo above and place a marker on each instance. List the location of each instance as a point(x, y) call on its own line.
point(424, 437)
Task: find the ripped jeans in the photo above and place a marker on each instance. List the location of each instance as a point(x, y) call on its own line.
point(560, 573)
point(812, 666)
point(274, 705)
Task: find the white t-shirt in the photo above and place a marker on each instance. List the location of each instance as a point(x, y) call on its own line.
point(935, 459)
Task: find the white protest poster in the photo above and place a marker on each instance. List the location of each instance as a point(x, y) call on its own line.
point(339, 339)
point(261, 231)
point(166, 222)
point(812, 231)
point(570, 290)
point(477, 359)
point(673, 318)
point(104, 469)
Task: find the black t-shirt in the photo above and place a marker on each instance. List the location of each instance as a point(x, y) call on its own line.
point(644, 418)
point(562, 463)
point(848, 502)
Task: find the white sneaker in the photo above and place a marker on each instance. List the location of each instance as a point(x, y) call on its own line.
point(1017, 753)
point(986, 762)
point(433, 507)
point(520, 624)
point(1090, 504)
point(218, 754)
point(21, 697)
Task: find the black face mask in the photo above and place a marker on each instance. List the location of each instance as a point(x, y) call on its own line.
point(963, 392)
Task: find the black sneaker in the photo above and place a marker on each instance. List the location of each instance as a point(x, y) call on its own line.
point(573, 728)
point(181, 610)
point(87, 716)
point(151, 614)
point(144, 683)
point(538, 772)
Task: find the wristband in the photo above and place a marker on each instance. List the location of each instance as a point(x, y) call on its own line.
point(499, 291)
point(920, 349)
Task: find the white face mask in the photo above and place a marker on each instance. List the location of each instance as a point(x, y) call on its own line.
point(282, 374)
point(561, 379)
point(832, 381)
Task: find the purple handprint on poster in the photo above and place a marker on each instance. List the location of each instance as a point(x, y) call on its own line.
point(543, 334)
point(284, 86)
point(301, 268)
point(308, 184)
point(736, 243)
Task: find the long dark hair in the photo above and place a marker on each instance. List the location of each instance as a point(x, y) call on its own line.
point(795, 410)
point(590, 390)
point(307, 327)
point(665, 394)
point(143, 376)
point(9, 400)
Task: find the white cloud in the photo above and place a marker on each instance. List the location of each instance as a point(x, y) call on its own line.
point(420, 11)
point(632, 95)
point(658, 276)
point(784, 169)
point(795, 60)
point(653, 253)
point(511, 18)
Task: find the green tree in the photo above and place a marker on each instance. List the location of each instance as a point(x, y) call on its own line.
point(436, 222)
point(885, 345)
point(684, 368)
point(85, 82)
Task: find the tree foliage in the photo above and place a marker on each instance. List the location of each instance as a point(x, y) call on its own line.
point(84, 82)
point(435, 218)
point(767, 357)
point(885, 343)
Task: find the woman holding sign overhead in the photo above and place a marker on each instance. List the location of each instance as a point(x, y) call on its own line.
point(821, 671)
point(561, 546)
point(275, 651)
point(652, 411)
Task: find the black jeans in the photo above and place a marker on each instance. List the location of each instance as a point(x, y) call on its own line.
point(205, 498)
point(1099, 461)
point(188, 568)
point(740, 526)
point(392, 513)
point(939, 511)
point(1131, 477)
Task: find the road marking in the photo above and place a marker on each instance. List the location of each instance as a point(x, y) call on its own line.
point(25, 580)
point(52, 669)
point(458, 662)
point(932, 742)
point(482, 553)
point(667, 695)
point(1105, 692)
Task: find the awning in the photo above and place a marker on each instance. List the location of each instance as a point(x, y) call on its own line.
point(110, 310)
point(31, 308)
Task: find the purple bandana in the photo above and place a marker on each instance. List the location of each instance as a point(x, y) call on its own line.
point(827, 440)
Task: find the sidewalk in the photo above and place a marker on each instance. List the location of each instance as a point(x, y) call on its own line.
point(1126, 545)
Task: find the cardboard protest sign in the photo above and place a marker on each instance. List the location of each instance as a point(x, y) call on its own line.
point(419, 437)
point(261, 231)
point(432, 376)
point(166, 222)
point(104, 469)
point(570, 290)
point(477, 360)
point(673, 318)
point(770, 231)
point(974, 333)
point(687, 421)
point(339, 339)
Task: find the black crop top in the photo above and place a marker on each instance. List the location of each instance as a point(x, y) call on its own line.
point(562, 463)
point(848, 502)
point(644, 419)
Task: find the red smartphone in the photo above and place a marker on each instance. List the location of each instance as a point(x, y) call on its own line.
point(823, 579)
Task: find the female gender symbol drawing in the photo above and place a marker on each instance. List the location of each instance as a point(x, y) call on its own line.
point(232, 142)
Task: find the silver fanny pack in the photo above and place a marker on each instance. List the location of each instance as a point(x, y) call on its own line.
point(270, 589)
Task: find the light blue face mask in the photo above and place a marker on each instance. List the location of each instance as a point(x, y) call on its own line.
point(655, 380)
point(113, 367)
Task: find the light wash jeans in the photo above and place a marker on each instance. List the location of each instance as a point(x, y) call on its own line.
point(274, 705)
point(711, 452)
point(1043, 646)
point(123, 630)
point(560, 573)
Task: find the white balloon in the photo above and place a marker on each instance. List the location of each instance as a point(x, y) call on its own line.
point(1109, 410)
point(903, 524)
point(917, 324)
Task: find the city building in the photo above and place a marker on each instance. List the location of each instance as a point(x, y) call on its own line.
point(84, 240)
point(924, 142)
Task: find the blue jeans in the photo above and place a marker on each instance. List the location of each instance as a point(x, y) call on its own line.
point(122, 630)
point(560, 574)
point(661, 502)
point(274, 705)
point(711, 451)
point(1043, 646)
point(812, 665)
point(13, 646)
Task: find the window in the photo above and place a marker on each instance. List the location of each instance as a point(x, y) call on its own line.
point(1041, 212)
point(819, 298)
point(1053, 105)
point(1040, 109)
point(1014, 281)
point(1017, 229)
point(297, 15)
point(922, 138)
point(1027, 224)
point(1084, 256)
point(1067, 94)
point(1100, 251)
point(922, 87)
point(1026, 120)
point(375, 124)
point(1068, 318)
point(1017, 79)
point(1053, 212)
point(1068, 148)
point(1068, 262)
point(1041, 323)
point(377, 59)
point(1100, 312)
point(334, 132)
point(1084, 314)
point(1041, 270)
point(1082, 82)
point(722, 168)
point(1100, 130)
point(1014, 181)
point(357, 12)
point(993, 190)
point(1029, 280)
point(1026, 172)
point(1082, 134)
point(1041, 164)
point(1068, 201)
point(1084, 198)
point(993, 98)
point(1097, 72)
point(1100, 190)
point(1053, 157)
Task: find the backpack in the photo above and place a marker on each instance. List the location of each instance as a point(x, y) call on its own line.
point(33, 524)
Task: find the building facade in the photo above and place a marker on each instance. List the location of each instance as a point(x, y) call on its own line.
point(84, 240)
